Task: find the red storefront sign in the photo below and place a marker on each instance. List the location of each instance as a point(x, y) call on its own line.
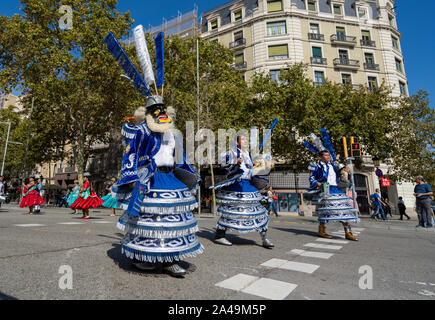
point(386, 182)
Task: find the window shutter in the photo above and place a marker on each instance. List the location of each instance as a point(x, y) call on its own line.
point(273, 6)
point(317, 52)
point(278, 50)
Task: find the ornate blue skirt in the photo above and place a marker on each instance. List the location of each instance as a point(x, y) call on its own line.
point(165, 230)
point(110, 202)
point(336, 208)
point(240, 208)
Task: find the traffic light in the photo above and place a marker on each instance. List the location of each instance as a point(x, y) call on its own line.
point(355, 147)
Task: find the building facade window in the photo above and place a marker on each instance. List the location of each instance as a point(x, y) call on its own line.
point(395, 42)
point(369, 58)
point(274, 5)
point(341, 33)
point(275, 74)
point(346, 78)
point(314, 28)
point(402, 87)
point(276, 28)
point(337, 9)
point(238, 35)
point(366, 35)
point(373, 83)
point(238, 15)
point(278, 52)
point(239, 58)
point(311, 6)
point(399, 65)
point(344, 56)
point(362, 13)
point(214, 24)
point(319, 77)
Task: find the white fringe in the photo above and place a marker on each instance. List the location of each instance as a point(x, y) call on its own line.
point(161, 234)
point(158, 259)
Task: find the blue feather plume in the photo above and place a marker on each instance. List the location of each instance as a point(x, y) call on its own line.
point(160, 59)
point(327, 143)
point(124, 61)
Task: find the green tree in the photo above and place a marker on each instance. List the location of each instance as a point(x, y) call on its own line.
point(79, 94)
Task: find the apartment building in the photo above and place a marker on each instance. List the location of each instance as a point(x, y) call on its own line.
point(354, 42)
point(346, 41)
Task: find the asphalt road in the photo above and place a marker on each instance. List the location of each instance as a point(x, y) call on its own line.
point(400, 258)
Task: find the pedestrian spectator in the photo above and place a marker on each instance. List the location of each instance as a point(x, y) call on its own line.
point(423, 193)
point(271, 199)
point(2, 189)
point(402, 209)
point(376, 203)
point(387, 208)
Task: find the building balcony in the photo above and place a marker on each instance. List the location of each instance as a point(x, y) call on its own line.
point(346, 63)
point(368, 43)
point(239, 66)
point(318, 60)
point(316, 36)
point(371, 66)
point(343, 40)
point(238, 43)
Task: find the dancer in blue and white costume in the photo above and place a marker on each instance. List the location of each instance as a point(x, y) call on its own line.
point(332, 205)
point(158, 220)
point(240, 208)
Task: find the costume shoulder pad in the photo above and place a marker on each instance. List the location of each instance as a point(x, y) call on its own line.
point(312, 166)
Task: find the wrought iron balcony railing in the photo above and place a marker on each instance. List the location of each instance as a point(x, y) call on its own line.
point(318, 60)
point(346, 62)
point(368, 43)
point(316, 36)
point(371, 66)
point(343, 39)
point(237, 43)
point(241, 65)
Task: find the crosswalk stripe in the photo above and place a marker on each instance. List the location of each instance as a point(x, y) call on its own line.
point(29, 225)
point(70, 223)
point(291, 265)
point(333, 241)
point(237, 282)
point(358, 229)
point(311, 254)
point(342, 232)
point(322, 246)
point(102, 222)
point(270, 289)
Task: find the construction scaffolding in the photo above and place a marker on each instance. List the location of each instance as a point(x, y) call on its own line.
point(185, 26)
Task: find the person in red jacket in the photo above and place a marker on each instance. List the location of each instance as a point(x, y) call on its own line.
point(87, 198)
point(31, 196)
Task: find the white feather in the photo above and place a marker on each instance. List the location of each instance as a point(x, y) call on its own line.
point(143, 55)
point(317, 142)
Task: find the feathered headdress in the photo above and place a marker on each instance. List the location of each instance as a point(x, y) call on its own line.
point(319, 146)
point(143, 86)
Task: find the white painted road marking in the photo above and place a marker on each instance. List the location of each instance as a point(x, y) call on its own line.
point(291, 265)
point(322, 246)
point(333, 241)
point(311, 254)
point(70, 223)
point(29, 225)
point(274, 263)
point(102, 222)
point(270, 289)
point(237, 282)
point(358, 229)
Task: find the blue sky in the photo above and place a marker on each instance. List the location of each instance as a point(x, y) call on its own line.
point(414, 20)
